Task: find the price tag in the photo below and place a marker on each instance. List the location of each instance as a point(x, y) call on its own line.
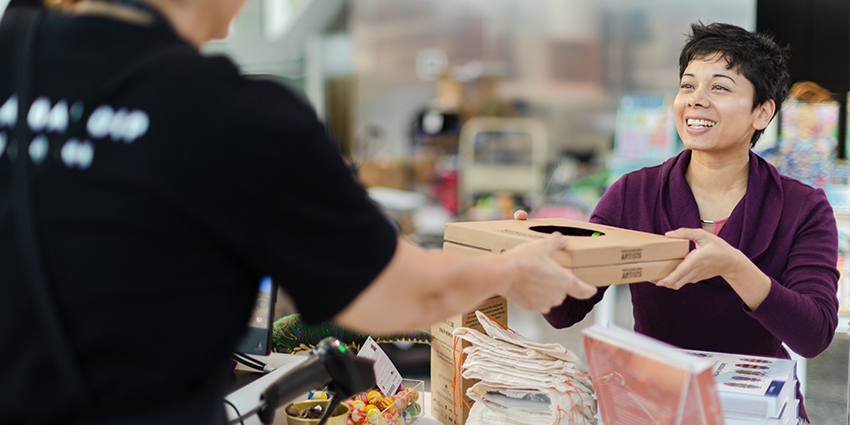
point(386, 374)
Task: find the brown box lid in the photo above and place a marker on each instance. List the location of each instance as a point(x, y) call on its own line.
point(589, 244)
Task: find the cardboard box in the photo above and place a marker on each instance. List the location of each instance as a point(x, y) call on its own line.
point(597, 254)
point(396, 174)
point(601, 275)
point(448, 388)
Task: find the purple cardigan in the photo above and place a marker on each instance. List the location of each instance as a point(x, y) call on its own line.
point(785, 227)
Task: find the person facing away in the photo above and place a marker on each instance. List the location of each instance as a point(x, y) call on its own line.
point(145, 189)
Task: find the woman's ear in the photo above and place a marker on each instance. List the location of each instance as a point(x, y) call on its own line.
point(763, 114)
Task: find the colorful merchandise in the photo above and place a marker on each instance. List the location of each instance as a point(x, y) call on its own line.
point(375, 408)
point(808, 137)
point(290, 335)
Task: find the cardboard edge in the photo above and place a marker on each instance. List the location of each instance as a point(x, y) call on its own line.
point(500, 235)
point(617, 274)
point(448, 388)
point(622, 274)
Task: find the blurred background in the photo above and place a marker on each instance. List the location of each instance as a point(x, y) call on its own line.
point(451, 110)
point(468, 109)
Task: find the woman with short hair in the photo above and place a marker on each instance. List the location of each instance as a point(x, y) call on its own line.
point(763, 268)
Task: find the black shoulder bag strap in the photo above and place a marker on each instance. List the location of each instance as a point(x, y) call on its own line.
point(64, 357)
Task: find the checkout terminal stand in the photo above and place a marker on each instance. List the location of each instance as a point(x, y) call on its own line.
point(330, 365)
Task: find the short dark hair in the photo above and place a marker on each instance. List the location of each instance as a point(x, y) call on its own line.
point(756, 56)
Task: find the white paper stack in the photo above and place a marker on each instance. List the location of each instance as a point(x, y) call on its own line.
point(523, 382)
point(787, 417)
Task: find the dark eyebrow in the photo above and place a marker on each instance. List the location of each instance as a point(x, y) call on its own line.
point(688, 74)
point(725, 76)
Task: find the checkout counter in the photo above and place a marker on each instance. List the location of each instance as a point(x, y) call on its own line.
point(247, 398)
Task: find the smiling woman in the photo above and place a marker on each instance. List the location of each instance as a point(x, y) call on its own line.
point(763, 72)
point(763, 271)
point(713, 108)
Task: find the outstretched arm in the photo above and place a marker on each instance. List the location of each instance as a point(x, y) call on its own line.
point(572, 309)
point(714, 257)
point(419, 288)
point(798, 303)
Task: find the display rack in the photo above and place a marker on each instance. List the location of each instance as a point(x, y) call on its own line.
point(501, 155)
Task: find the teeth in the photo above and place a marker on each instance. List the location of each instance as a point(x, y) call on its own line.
point(700, 123)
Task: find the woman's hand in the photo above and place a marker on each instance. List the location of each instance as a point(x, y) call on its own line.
point(714, 257)
point(711, 258)
point(520, 215)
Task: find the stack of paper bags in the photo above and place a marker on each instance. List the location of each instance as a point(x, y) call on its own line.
point(523, 382)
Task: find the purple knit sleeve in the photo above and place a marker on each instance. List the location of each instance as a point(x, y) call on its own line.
point(807, 289)
point(607, 211)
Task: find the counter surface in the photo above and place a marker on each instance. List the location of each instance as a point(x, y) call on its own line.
point(247, 398)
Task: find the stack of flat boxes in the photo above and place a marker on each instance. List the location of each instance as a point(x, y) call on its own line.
point(449, 402)
point(597, 254)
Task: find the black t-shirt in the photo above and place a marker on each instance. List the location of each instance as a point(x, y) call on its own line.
point(159, 203)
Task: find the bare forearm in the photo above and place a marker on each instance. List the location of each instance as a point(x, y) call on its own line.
point(459, 283)
point(418, 289)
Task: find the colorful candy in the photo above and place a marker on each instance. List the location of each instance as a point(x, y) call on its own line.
point(386, 403)
point(358, 406)
point(374, 397)
point(375, 408)
point(403, 398)
point(373, 416)
point(389, 416)
point(371, 407)
point(414, 408)
point(317, 395)
point(358, 411)
point(411, 412)
point(414, 395)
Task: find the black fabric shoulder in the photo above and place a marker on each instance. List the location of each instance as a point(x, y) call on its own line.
point(292, 206)
point(231, 179)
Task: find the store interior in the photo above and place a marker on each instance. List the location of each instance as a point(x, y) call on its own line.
point(457, 110)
